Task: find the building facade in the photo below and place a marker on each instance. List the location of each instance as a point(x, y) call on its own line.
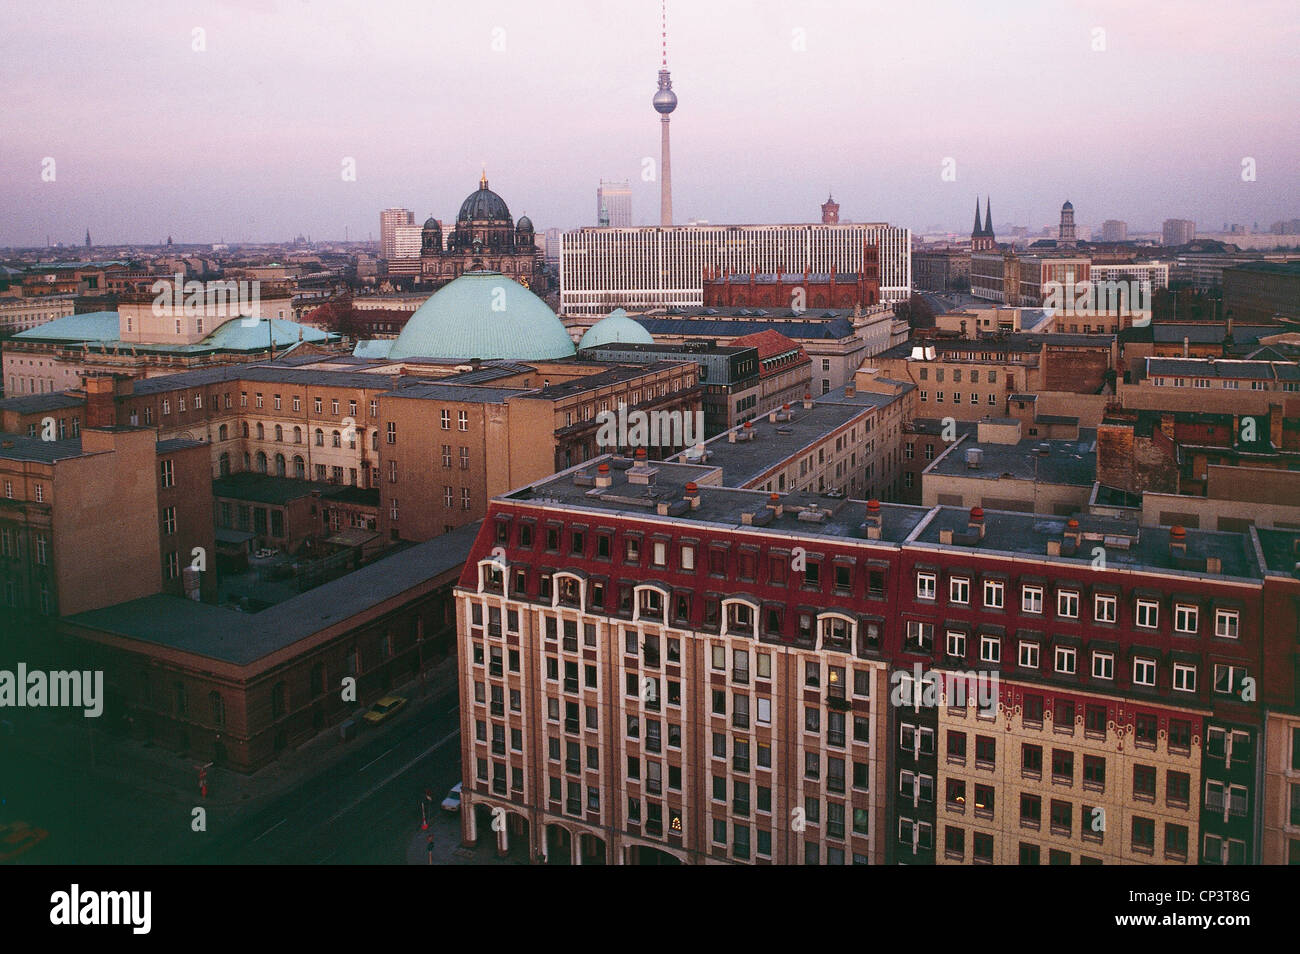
point(657, 267)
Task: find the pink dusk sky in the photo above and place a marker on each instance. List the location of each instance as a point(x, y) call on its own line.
point(779, 102)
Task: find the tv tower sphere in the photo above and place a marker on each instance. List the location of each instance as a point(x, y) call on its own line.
point(665, 100)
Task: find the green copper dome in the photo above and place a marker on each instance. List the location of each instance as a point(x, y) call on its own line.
point(485, 315)
point(615, 328)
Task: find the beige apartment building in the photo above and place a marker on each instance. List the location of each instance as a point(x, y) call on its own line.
point(58, 555)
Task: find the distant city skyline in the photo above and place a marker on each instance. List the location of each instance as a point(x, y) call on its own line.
point(247, 139)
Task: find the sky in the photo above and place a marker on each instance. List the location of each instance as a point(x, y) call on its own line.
point(241, 131)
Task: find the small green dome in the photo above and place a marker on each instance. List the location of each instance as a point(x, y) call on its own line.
point(485, 315)
point(615, 328)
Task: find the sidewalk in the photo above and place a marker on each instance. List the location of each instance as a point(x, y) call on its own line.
point(166, 775)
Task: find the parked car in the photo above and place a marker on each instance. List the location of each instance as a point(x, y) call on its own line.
point(452, 802)
point(384, 708)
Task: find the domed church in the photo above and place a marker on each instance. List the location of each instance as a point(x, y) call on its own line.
point(485, 237)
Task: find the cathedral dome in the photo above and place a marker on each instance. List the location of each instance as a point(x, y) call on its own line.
point(483, 206)
point(432, 223)
point(484, 315)
point(525, 224)
point(615, 328)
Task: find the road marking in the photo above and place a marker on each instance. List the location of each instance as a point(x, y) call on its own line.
point(363, 796)
point(271, 829)
point(374, 760)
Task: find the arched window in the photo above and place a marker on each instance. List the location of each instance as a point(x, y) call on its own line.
point(335, 439)
point(374, 441)
point(261, 462)
point(218, 708)
point(279, 433)
point(261, 431)
point(248, 461)
point(297, 435)
point(299, 468)
point(320, 437)
point(223, 433)
point(245, 428)
point(279, 465)
point(223, 464)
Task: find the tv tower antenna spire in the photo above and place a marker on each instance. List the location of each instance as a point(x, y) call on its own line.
point(665, 101)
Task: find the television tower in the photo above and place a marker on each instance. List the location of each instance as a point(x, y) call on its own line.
point(665, 102)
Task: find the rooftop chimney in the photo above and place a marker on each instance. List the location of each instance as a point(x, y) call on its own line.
point(1177, 541)
point(774, 504)
point(693, 495)
point(807, 400)
point(873, 522)
point(641, 472)
point(851, 388)
point(603, 477)
point(976, 524)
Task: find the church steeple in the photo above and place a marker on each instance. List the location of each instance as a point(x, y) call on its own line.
point(975, 232)
point(988, 216)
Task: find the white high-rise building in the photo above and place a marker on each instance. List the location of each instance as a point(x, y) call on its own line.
point(614, 204)
point(389, 220)
point(656, 267)
point(406, 242)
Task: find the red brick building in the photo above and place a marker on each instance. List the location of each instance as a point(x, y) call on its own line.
point(811, 290)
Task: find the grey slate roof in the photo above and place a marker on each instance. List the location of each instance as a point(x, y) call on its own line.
point(243, 638)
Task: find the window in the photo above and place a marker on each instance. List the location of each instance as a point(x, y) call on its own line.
point(1144, 671)
point(446, 420)
point(1067, 604)
point(1226, 623)
point(1031, 599)
point(1184, 677)
point(1148, 614)
point(392, 432)
point(1104, 608)
point(1029, 655)
point(1185, 618)
point(1066, 660)
point(925, 586)
point(462, 420)
point(990, 649)
point(1103, 665)
point(956, 644)
point(959, 590)
point(1228, 679)
point(993, 594)
point(168, 478)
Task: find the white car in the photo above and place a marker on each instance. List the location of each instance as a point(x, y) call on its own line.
point(452, 802)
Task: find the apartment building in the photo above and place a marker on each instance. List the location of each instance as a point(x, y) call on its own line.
point(58, 555)
point(624, 707)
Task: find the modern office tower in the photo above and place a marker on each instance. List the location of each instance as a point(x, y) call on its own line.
point(654, 267)
point(1179, 231)
point(389, 220)
point(1113, 230)
point(614, 204)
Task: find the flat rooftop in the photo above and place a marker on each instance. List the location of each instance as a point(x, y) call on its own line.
point(1013, 534)
point(1025, 534)
point(239, 638)
point(1067, 462)
point(773, 444)
point(266, 488)
point(22, 447)
point(725, 506)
